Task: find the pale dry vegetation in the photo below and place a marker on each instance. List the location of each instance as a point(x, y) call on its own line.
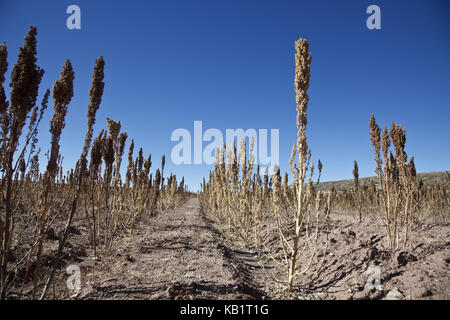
point(249, 206)
point(34, 202)
point(245, 201)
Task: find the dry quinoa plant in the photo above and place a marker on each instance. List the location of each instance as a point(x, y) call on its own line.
point(397, 180)
point(25, 79)
point(300, 169)
point(62, 95)
point(92, 196)
point(244, 214)
point(358, 193)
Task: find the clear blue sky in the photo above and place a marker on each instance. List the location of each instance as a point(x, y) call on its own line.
point(231, 65)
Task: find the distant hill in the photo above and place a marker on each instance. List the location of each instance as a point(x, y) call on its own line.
point(428, 178)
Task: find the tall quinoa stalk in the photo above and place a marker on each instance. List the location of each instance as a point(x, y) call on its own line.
point(3, 102)
point(25, 79)
point(299, 170)
point(358, 201)
point(95, 95)
point(62, 95)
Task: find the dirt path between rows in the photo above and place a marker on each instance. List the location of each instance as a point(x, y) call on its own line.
point(176, 255)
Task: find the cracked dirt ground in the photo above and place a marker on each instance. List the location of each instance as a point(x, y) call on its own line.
point(178, 255)
point(181, 254)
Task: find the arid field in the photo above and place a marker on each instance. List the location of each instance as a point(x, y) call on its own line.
point(96, 232)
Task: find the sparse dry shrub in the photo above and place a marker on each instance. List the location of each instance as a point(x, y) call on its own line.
point(397, 180)
point(358, 193)
point(25, 79)
point(62, 95)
